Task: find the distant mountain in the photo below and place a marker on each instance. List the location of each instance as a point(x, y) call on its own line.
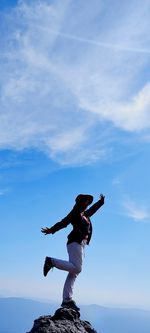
point(17, 316)
point(117, 320)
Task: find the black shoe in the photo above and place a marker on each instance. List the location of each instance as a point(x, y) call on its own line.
point(70, 304)
point(47, 265)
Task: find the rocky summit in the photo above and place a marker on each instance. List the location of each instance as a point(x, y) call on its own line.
point(65, 320)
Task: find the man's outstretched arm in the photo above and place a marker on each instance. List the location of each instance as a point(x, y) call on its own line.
point(93, 209)
point(58, 226)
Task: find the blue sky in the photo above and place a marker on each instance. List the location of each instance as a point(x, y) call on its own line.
point(75, 98)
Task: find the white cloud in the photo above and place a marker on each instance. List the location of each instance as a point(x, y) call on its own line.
point(132, 115)
point(136, 211)
point(67, 81)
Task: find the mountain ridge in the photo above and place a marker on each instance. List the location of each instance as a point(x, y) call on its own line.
point(23, 311)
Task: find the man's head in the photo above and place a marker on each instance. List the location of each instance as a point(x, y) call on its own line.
point(84, 200)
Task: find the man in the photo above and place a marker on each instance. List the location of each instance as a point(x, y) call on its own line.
point(81, 234)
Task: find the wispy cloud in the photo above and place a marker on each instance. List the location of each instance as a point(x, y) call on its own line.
point(136, 211)
point(69, 82)
point(119, 47)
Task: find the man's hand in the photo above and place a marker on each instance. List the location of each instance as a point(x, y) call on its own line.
point(46, 230)
point(102, 198)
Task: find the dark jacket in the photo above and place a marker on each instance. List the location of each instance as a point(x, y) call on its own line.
point(82, 226)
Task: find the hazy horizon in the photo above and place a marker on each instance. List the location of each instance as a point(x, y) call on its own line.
point(103, 319)
point(57, 302)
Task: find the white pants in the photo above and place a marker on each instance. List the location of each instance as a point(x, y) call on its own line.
point(73, 266)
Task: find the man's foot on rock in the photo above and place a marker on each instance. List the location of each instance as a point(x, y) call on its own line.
point(47, 265)
point(70, 304)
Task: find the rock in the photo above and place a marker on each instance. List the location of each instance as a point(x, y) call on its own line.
point(65, 320)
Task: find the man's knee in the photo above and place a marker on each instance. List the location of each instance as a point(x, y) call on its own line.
point(77, 269)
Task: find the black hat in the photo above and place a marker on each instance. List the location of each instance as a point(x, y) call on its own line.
point(83, 197)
